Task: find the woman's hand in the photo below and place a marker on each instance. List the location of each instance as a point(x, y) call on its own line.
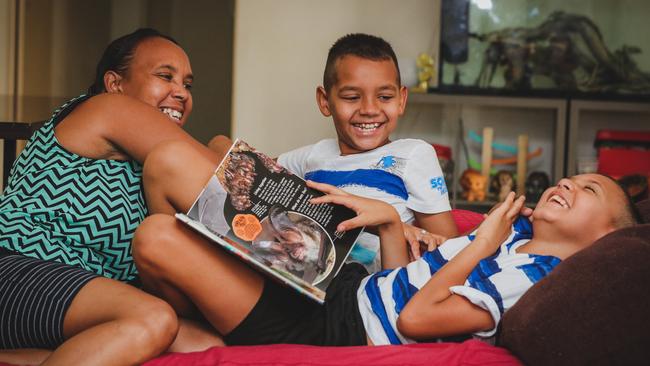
point(498, 223)
point(420, 240)
point(369, 212)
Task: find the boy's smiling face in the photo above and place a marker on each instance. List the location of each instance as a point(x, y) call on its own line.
point(365, 103)
point(583, 206)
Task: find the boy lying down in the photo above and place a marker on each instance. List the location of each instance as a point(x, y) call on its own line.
point(462, 287)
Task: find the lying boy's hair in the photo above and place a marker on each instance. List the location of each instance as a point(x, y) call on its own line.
point(630, 215)
point(360, 45)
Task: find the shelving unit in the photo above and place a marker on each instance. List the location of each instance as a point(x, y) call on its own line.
point(541, 114)
point(588, 116)
point(573, 123)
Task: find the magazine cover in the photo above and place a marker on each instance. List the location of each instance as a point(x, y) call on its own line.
point(260, 211)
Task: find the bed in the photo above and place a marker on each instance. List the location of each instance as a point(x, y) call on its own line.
point(592, 310)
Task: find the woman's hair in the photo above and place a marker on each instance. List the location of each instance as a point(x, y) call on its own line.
point(118, 55)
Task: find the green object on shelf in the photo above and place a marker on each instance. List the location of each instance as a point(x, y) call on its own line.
point(473, 164)
point(477, 166)
point(495, 145)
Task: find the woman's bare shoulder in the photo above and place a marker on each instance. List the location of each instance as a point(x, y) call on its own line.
point(83, 131)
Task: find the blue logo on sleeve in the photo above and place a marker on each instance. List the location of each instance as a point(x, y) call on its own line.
point(438, 183)
point(387, 162)
point(391, 164)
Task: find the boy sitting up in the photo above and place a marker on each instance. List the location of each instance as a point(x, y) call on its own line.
point(363, 94)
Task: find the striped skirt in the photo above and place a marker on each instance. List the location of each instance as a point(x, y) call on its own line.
point(34, 298)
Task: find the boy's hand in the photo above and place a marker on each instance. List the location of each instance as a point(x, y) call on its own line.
point(525, 211)
point(497, 225)
point(420, 240)
point(369, 212)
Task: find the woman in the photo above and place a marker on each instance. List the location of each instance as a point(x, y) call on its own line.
point(73, 202)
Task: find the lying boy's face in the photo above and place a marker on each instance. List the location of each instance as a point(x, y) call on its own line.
point(583, 206)
point(365, 103)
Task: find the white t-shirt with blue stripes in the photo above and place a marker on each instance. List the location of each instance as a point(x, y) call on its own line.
point(495, 284)
point(404, 173)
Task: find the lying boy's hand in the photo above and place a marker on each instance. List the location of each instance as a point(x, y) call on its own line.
point(420, 240)
point(497, 225)
point(369, 212)
point(525, 211)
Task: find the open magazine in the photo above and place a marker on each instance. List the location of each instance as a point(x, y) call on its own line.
point(260, 211)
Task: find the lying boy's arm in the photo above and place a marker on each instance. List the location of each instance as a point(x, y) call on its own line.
point(393, 252)
point(370, 212)
point(434, 311)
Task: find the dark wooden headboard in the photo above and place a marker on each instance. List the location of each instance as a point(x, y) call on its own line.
point(10, 132)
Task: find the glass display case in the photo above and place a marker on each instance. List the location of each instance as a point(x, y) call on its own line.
point(546, 47)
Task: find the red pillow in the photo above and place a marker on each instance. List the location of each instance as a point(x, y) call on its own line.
point(466, 220)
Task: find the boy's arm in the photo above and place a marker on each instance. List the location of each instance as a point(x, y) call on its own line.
point(370, 212)
point(431, 230)
point(434, 311)
point(427, 197)
point(439, 223)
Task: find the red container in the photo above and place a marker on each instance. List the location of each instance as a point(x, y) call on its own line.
point(623, 152)
point(443, 152)
point(446, 164)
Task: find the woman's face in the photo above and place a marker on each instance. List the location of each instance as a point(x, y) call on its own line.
point(161, 76)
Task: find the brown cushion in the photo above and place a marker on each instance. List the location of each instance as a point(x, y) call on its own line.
point(644, 210)
point(593, 309)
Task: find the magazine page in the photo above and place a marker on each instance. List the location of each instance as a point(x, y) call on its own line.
point(261, 212)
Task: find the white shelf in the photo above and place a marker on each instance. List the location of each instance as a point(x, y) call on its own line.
point(587, 116)
point(553, 126)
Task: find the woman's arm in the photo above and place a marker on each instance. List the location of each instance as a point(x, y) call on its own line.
point(434, 311)
point(114, 126)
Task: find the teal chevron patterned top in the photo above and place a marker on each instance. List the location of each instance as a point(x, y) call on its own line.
point(64, 207)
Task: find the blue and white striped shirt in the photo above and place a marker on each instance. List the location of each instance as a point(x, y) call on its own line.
point(495, 284)
point(404, 173)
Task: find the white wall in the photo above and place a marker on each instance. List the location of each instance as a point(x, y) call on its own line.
point(280, 51)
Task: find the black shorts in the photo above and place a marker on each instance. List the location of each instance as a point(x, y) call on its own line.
point(34, 298)
point(281, 315)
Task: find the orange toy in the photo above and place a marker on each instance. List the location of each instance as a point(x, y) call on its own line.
point(473, 184)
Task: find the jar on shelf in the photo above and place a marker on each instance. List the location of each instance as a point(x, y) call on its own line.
point(446, 164)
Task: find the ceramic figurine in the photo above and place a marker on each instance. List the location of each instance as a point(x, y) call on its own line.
point(536, 184)
point(502, 183)
point(473, 184)
point(426, 72)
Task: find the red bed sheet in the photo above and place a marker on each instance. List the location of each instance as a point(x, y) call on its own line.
point(470, 352)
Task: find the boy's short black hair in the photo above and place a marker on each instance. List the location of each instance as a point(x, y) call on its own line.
point(630, 215)
point(360, 45)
